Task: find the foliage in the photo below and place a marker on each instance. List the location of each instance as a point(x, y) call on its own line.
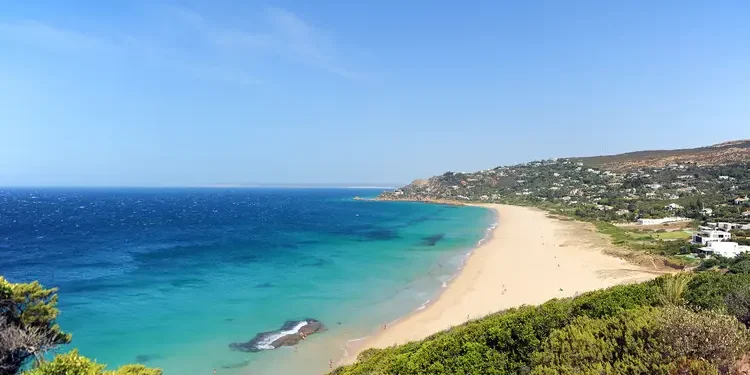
point(657, 327)
point(616, 299)
point(718, 338)
point(643, 341)
point(673, 287)
point(70, 363)
point(622, 344)
point(73, 363)
point(27, 324)
point(28, 329)
point(740, 267)
point(709, 290)
point(738, 304)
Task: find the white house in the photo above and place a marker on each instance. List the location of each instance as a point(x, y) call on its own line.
point(725, 249)
point(706, 236)
point(707, 211)
point(732, 226)
point(673, 206)
point(741, 200)
point(661, 221)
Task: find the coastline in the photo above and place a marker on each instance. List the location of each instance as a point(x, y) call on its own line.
point(527, 258)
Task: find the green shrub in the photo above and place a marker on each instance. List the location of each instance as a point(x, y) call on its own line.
point(740, 267)
point(716, 338)
point(623, 344)
point(644, 341)
point(72, 363)
point(629, 329)
point(673, 287)
point(708, 290)
point(616, 299)
point(738, 305)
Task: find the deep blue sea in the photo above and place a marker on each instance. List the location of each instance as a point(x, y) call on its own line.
point(171, 277)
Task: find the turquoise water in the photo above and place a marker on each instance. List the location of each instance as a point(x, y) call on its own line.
point(171, 277)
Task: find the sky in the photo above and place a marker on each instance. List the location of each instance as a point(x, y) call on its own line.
point(194, 93)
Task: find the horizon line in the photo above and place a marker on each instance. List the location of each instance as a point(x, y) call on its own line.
point(213, 186)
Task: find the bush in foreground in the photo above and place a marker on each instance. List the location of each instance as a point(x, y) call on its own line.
point(28, 329)
point(665, 326)
point(73, 363)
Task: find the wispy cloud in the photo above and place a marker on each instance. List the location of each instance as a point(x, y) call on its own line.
point(46, 36)
point(196, 45)
point(285, 35)
point(300, 41)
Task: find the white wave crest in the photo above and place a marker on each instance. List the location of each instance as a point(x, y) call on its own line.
point(265, 344)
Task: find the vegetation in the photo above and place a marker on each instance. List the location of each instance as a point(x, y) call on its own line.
point(738, 264)
point(28, 330)
point(681, 324)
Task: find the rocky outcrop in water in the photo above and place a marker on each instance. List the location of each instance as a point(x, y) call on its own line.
point(291, 333)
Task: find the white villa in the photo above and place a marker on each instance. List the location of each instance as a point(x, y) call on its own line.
point(725, 249)
point(673, 206)
point(664, 220)
point(728, 226)
point(706, 236)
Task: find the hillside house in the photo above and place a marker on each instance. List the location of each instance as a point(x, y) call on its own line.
point(725, 249)
point(731, 226)
point(742, 200)
point(664, 220)
point(705, 236)
point(673, 207)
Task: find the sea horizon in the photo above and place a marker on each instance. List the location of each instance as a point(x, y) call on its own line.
point(186, 272)
point(211, 186)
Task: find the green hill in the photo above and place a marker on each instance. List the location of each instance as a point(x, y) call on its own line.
point(673, 325)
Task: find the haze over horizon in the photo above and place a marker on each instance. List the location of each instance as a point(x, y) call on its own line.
point(186, 93)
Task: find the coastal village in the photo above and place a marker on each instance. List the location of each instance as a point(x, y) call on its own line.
point(701, 197)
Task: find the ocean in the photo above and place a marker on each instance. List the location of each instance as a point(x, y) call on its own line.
point(171, 277)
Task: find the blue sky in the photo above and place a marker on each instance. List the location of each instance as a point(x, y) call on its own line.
point(199, 93)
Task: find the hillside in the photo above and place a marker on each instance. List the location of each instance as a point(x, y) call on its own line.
point(719, 154)
point(704, 183)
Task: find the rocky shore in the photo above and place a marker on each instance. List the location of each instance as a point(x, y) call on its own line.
point(291, 333)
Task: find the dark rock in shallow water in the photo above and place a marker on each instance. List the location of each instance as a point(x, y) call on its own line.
point(432, 240)
point(143, 358)
point(235, 365)
point(289, 334)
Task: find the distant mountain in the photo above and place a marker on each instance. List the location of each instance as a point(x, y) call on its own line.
point(720, 154)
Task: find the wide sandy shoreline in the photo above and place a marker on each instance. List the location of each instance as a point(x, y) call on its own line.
point(529, 258)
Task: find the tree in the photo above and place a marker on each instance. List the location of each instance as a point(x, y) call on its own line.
point(27, 324)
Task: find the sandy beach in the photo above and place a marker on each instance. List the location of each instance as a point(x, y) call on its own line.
point(529, 258)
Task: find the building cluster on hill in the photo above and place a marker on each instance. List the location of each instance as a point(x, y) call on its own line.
point(652, 195)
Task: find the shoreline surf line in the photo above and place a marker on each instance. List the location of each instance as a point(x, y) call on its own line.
point(445, 285)
point(565, 258)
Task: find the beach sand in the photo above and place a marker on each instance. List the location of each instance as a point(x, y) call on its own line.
point(529, 258)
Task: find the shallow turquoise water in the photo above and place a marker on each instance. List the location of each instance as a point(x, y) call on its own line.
point(172, 277)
